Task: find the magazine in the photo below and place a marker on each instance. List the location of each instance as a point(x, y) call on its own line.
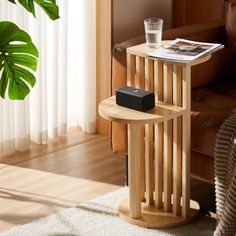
point(184, 50)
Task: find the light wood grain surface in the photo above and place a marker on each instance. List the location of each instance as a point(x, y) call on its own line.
point(103, 57)
point(134, 142)
point(149, 136)
point(156, 218)
point(167, 140)
point(67, 176)
point(34, 186)
point(142, 50)
point(177, 142)
point(186, 138)
point(111, 111)
point(158, 137)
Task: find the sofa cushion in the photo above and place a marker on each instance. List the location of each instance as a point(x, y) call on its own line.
point(231, 24)
point(210, 107)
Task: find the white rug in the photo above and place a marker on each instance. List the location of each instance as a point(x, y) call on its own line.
point(99, 217)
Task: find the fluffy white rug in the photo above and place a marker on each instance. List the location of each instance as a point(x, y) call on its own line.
point(99, 217)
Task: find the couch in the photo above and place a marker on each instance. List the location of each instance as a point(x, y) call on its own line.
point(213, 89)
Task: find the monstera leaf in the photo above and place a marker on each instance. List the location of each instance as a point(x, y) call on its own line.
point(49, 6)
point(18, 59)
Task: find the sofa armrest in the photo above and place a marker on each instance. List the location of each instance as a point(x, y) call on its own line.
point(190, 31)
point(121, 47)
point(212, 31)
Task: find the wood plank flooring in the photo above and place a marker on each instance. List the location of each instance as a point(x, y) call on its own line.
point(63, 174)
point(35, 184)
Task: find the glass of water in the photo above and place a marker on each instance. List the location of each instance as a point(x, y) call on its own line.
point(153, 32)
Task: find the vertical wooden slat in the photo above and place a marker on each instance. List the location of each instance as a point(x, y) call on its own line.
point(149, 70)
point(103, 59)
point(158, 89)
point(134, 141)
point(168, 173)
point(177, 149)
point(168, 87)
point(186, 99)
point(130, 70)
point(159, 129)
point(142, 171)
point(141, 72)
point(149, 165)
point(140, 69)
point(140, 83)
point(149, 146)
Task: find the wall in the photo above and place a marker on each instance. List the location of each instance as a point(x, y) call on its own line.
point(196, 11)
point(128, 16)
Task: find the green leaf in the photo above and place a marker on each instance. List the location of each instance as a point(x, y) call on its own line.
point(28, 5)
point(3, 84)
point(49, 6)
point(13, 1)
point(18, 57)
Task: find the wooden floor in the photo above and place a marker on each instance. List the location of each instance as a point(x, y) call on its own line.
point(35, 184)
point(65, 173)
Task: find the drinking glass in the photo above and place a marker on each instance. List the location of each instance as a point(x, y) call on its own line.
point(153, 32)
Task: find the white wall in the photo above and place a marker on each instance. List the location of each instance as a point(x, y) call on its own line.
point(128, 16)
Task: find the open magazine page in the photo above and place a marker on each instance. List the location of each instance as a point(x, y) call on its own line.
point(184, 50)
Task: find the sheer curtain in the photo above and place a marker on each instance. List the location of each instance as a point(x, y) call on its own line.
point(65, 92)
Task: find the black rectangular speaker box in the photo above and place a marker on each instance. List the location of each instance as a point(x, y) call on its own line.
point(134, 98)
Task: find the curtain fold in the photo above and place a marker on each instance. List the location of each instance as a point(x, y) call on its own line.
point(65, 91)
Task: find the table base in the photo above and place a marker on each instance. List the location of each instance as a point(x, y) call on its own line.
point(156, 218)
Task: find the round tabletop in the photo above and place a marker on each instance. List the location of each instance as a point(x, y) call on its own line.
point(109, 110)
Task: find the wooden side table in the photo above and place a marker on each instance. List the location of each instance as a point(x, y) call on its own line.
point(158, 142)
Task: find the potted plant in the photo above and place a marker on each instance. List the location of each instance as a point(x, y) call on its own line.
point(18, 54)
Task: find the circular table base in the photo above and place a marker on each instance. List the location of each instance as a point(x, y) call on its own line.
point(156, 218)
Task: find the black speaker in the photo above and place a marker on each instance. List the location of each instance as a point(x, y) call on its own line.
point(134, 98)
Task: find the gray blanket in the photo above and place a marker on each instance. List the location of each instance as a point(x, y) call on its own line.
point(225, 178)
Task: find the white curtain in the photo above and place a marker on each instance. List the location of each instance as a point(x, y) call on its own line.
point(65, 92)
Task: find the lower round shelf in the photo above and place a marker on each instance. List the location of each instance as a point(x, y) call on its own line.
point(156, 218)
